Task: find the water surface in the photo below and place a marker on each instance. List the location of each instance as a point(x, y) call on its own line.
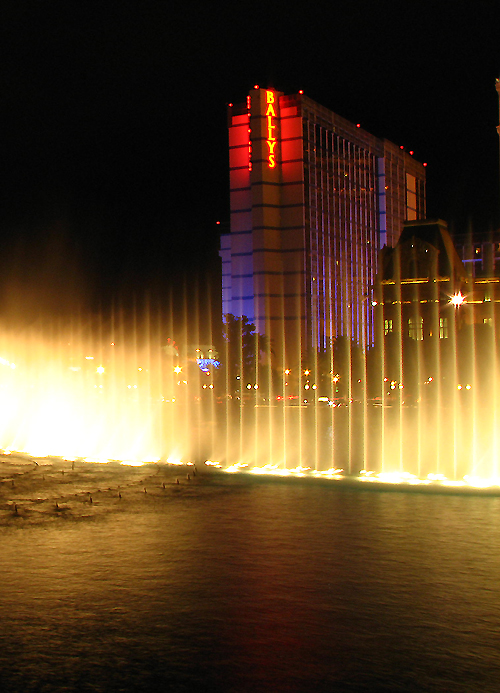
point(234, 583)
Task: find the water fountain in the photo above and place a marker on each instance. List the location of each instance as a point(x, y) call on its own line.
point(418, 406)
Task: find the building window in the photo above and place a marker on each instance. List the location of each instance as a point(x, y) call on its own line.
point(411, 197)
point(416, 328)
point(443, 328)
point(387, 326)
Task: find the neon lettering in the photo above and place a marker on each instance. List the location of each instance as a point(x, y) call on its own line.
point(271, 146)
point(271, 127)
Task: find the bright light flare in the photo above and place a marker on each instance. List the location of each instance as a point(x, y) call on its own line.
point(457, 299)
point(174, 460)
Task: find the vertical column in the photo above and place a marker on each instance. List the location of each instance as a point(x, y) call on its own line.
point(266, 213)
point(292, 226)
point(382, 211)
point(497, 86)
point(236, 249)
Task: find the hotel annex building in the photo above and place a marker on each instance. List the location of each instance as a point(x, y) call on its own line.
point(313, 200)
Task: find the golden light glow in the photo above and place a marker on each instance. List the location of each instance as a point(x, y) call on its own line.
point(54, 402)
point(457, 299)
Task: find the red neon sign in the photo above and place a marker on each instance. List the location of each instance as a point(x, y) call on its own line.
point(271, 127)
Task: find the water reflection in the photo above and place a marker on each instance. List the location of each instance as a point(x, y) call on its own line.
point(245, 585)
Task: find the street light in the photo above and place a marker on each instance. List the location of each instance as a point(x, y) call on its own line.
point(457, 299)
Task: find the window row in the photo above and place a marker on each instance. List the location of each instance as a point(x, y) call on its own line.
point(415, 328)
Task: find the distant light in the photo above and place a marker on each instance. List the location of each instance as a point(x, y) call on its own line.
point(358, 125)
point(217, 222)
point(457, 299)
point(178, 369)
point(301, 91)
point(424, 164)
point(205, 364)
point(256, 86)
point(100, 370)
point(401, 147)
point(112, 344)
point(89, 358)
point(230, 105)
point(374, 303)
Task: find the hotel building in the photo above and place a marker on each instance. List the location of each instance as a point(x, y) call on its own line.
point(313, 200)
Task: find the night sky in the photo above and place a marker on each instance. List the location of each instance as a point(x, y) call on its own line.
point(113, 138)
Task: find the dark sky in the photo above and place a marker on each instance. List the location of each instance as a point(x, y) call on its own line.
point(113, 140)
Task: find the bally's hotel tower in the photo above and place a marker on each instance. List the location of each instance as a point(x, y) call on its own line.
point(313, 199)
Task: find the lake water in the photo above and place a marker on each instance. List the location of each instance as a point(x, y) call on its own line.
point(247, 584)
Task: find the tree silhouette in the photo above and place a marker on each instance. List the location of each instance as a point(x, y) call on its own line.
point(244, 353)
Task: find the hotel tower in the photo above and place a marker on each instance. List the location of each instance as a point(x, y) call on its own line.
point(313, 199)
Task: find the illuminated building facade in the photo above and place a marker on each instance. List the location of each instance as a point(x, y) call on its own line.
point(416, 282)
point(313, 200)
